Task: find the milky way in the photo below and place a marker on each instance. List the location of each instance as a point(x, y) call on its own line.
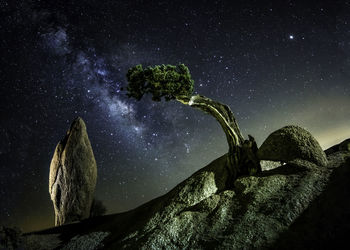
point(273, 63)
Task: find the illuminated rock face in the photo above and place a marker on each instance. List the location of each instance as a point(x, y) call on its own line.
point(73, 174)
point(202, 213)
point(292, 143)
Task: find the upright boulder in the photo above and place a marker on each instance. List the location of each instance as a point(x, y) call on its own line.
point(290, 143)
point(73, 174)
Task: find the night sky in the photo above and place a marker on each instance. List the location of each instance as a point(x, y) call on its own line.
point(273, 62)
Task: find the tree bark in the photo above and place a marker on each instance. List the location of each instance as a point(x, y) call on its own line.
point(242, 153)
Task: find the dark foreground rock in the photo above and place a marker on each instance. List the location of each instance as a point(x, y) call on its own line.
point(290, 143)
point(10, 238)
point(73, 174)
point(343, 146)
point(295, 206)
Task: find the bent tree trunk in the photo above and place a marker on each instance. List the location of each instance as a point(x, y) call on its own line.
point(242, 153)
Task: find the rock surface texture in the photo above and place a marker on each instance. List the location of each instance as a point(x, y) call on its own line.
point(290, 143)
point(299, 205)
point(73, 174)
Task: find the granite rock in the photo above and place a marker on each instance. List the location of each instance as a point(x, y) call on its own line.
point(73, 174)
point(290, 143)
point(298, 205)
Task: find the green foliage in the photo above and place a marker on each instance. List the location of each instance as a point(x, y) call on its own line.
point(166, 81)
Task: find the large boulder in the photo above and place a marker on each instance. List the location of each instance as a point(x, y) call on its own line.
point(290, 143)
point(73, 175)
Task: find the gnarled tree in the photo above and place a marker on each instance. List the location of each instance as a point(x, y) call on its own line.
point(175, 83)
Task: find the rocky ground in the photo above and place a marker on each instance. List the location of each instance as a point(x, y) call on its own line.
point(298, 205)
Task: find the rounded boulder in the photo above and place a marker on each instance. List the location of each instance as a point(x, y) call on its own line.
point(290, 143)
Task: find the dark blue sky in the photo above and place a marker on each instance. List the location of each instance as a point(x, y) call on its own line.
point(273, 62)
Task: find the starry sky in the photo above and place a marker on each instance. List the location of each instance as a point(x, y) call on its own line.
point(273, 62)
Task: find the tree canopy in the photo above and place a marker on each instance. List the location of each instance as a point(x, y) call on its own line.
point(174, 82)
point(166, 81)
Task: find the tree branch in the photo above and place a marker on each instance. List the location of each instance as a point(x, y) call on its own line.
point(225, 117)
point(222, 114)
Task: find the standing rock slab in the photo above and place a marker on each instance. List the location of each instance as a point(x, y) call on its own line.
point(290, 143)
point(73, 174)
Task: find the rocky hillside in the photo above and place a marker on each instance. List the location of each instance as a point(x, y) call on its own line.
point(298, 205)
